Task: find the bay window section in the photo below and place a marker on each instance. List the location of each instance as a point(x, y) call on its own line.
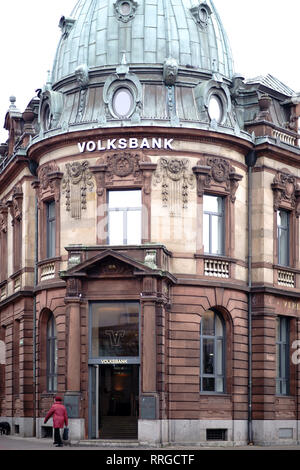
point(213, 225)
point(125, 217)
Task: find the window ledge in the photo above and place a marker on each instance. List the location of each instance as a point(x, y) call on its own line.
point(215, 394)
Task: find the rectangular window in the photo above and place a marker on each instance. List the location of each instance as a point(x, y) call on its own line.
point(3, 255)
point(51, 229)
point(114, 329)
point(125, 217)
point(283, 236)
point(282, 356)
point(17, 235)
point(51, 355)
point(213, 225)
point(212, 353)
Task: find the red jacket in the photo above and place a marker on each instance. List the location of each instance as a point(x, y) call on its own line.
point(59, 413)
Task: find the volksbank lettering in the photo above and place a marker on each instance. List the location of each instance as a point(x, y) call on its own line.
point(133, 143)
point(114, 361)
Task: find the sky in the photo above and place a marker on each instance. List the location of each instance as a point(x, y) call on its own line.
point(263, 34)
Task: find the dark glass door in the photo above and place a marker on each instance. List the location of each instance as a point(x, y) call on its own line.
point(118, 401)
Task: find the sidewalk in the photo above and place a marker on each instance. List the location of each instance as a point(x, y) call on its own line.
point(19, 443)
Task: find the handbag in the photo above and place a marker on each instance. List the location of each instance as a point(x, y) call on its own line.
point(66, 434)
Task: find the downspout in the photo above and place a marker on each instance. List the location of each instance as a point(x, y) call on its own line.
point(33, 169)
point(250, 162)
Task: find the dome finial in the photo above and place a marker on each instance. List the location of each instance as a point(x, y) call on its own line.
point(12, 100)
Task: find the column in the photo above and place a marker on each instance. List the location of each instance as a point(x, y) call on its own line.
point(72, 395)
point(73, 378)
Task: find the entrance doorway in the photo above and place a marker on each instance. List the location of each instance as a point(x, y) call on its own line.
point(115, 406)
point(114, 346)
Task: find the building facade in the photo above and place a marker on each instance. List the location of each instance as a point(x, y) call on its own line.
point(149, 236)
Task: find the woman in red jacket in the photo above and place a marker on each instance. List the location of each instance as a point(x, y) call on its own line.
point(60, 418)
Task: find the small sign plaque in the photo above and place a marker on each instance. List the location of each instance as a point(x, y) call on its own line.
point(71, 403)
point(148, 407)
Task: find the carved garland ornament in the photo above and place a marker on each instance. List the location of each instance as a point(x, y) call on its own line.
point(76, 182)
point(175, 178)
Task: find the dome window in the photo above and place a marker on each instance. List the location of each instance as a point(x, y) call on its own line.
point(201, 14)
point(215, 108)
point(125, 10)
point(46, 117)
point(122, 102)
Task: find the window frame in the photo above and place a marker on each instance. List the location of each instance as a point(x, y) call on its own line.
point(215, 338)
point(221, 215)
point(51, 355)
point(283, 356)
point(125, 210)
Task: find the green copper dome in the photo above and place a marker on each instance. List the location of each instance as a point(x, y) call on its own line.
point(99, 32)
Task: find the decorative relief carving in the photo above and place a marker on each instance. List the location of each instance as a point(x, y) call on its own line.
point(113, 267)
point(76, 182)
point(3, 218)
point(175, 178)
point(48, 182)
point(73, 287)
point(286, 191)
point(82, 77)
point(214, 173)
point(15, 205)
point(123, 165)
point(170, 71)
point(150, 259)
point(112, 168)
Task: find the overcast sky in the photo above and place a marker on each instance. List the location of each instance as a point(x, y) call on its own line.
point(264, 37)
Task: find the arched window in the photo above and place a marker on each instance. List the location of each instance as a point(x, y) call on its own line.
point(51, 355)
point(212, 353)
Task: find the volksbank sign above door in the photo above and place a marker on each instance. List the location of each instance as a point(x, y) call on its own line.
point(132, 143)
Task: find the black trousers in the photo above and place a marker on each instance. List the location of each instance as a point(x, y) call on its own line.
point(57, 436)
